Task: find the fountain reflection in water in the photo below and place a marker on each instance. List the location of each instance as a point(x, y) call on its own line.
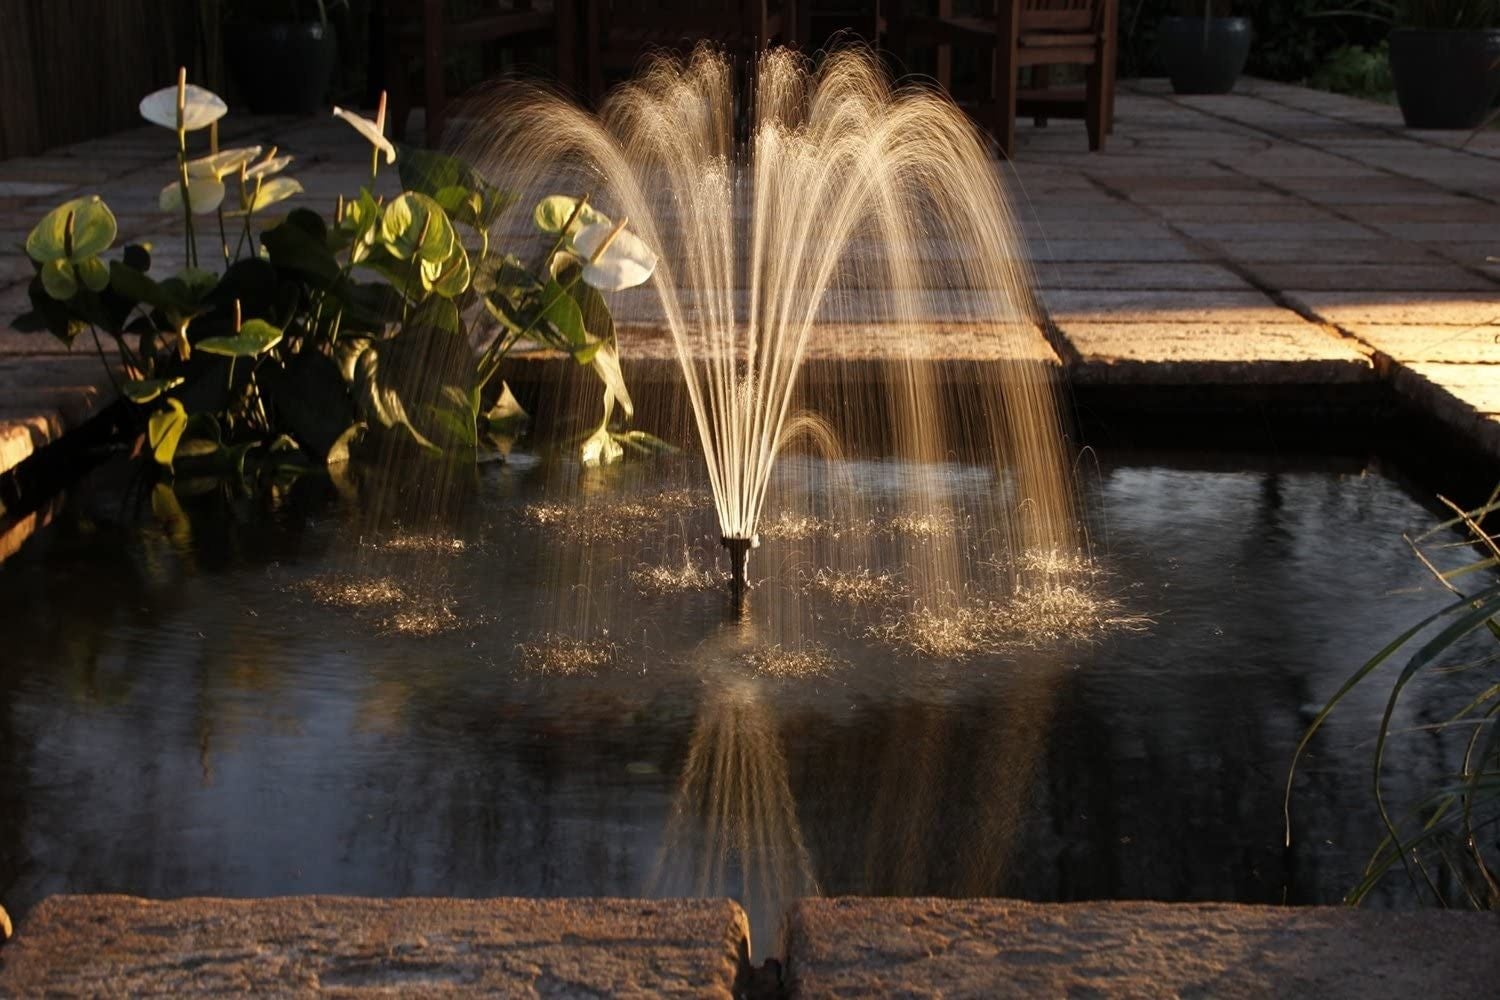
point(858, 224)
point(733, 828)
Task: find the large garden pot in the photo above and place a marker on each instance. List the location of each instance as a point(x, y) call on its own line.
point(1445, 79)
point(282, 68)
point(1203, 58)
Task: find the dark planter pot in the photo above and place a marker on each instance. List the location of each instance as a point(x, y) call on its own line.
point(1200, 63)
point(1445, 79)
point(282, 69)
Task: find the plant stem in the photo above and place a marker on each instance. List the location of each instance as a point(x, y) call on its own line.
point(182, 172)
point(489, 365)
point(105, 361)
point(223, 239)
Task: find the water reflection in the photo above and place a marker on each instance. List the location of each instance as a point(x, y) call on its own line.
point(733, 828)
point(182, 718)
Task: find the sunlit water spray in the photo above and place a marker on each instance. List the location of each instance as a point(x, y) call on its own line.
point(831, 215)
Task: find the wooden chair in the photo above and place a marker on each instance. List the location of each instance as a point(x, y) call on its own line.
point(1027, 33)
point(430, 27)
point(619, 32)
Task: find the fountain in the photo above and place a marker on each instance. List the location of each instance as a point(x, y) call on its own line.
point(829, 214)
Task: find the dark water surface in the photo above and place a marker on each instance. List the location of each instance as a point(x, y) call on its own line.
point(249, 700)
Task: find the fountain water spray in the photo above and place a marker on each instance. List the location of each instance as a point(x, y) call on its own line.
point(855, 220)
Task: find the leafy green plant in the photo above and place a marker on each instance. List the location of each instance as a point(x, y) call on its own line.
point(284, 343)
point(1447, 844)
point(1357, 71)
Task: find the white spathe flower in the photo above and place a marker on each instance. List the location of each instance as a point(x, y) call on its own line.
point(223, 163)
point(614, 258)
point(201, 107)
point(270, 165)
point(370, 130)
point(205, 191)
point(268, 193)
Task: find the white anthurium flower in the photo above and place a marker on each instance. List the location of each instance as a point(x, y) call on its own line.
point(223, 163)
point(614, 258)
point(206, 193)
point(201, 107)
point(370, 130)
point(268, 193)
point(270, 165)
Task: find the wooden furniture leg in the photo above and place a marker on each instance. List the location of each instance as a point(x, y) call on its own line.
point(1004, 71)
point(1111, 59)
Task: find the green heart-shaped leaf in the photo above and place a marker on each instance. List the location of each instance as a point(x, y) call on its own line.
point(414, 225)
point(452, 277)
point(255, 337)
point(93, 230)
point(59, 280)
point(146, 389)
point(164, 431)
point(93, 272)
point(553, 212)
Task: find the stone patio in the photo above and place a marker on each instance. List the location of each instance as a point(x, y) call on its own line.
point(1277, 235)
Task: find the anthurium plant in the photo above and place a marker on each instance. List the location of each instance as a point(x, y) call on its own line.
point(288, 342)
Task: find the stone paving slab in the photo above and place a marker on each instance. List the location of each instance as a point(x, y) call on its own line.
point(1370, 277)
point(121, 946)
point(1320, 201)
point(1476, 345)
point(1320, 251)
point(998, 949)
point(1208, 354)
point(1162, 306)
point(1176, 275)
point(1348, 308)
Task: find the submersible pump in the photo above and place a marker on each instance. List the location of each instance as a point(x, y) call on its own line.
point(739, 563)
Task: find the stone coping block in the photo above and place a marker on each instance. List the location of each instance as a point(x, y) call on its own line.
point(1448, 344)
point(998, 948)
point(343, 946)
point(1163, 307)
point(1211, 354)
point(1390, 308)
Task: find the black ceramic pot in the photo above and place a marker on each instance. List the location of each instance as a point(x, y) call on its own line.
point(281, 69)
point(1445, 79)
point(1203, 58)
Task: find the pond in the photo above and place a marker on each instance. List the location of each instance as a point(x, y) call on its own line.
point(547, 692)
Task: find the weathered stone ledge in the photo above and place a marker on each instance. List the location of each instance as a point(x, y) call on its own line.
point(107, 946)
point(997, 949)
point(121, 946)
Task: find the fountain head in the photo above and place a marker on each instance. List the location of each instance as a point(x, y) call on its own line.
point(739, 562)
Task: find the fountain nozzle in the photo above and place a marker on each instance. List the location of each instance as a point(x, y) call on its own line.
point(739, 562)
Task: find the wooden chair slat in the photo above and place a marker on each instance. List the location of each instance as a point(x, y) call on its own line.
point(1033, 33)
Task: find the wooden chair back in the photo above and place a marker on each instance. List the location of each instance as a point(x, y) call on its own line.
point(1060, 15)
point(686, 20)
